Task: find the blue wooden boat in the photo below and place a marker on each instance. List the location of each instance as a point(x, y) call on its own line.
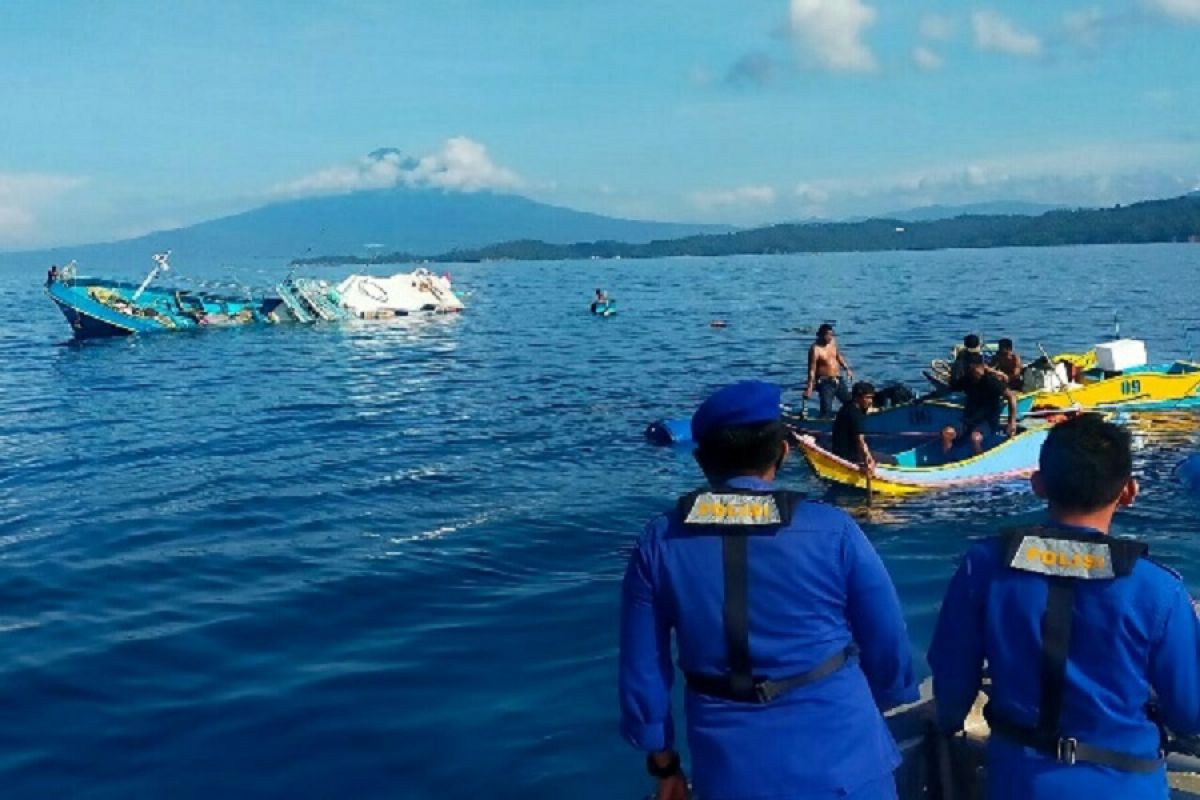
point(98, 307)
point(907, 420)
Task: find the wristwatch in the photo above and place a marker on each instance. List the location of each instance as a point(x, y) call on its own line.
point(669, 771)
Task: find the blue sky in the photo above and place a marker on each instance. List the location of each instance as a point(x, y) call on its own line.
point(126, 116)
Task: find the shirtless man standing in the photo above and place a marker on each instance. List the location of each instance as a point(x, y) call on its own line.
point(825, 365)
point(1008, 363)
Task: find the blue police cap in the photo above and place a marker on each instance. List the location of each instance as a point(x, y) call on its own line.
point(743, 403)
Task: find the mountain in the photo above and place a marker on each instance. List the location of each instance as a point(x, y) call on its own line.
point(993, 209)
point(1173, 220)
point(398, 220)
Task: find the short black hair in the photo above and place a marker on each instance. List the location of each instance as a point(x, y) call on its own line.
point(741, 449)
point(824, 329)
point(971, 341)
point(862, 388)
point(1085, 462)
point(1005, 344)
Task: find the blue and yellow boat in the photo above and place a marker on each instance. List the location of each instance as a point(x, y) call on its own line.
point(927, 468)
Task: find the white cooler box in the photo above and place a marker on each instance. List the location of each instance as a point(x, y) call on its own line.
point(1121, 355)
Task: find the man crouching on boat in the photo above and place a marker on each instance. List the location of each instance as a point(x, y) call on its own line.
point(1078, 630)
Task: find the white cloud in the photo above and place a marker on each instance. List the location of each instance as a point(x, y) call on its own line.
point(937, 27)
point(1183, 10)
point(996, 33)
point(461, 165)
point(926, 59)
point(832, 32)
point(1097, 174)
point(23, 196)
point(811, 195)
point(1084, 26)
point(743, 197)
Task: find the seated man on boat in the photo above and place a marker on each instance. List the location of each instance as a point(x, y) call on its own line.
point(849, 438)
point(985, 396)
point(1079, 632)
point(787, 628)
point(825, 365)
point(968, 354)
point(1008, 363)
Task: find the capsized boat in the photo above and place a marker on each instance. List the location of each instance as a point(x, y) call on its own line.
point(98, 307)
point(927, 468)
point(401, 295)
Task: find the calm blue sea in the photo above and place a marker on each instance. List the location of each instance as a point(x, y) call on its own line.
point(381, 560)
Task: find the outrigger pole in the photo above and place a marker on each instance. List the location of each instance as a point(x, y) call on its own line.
point(160, 265)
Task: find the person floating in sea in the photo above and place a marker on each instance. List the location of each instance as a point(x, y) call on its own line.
point(1008, 363)
point(985, 397)
point(787, 627)
point(600, 301)
point(825, 365)
point(849, 438)
point(1079, 631)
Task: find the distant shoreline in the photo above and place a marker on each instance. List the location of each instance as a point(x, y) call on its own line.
point(1154, 221)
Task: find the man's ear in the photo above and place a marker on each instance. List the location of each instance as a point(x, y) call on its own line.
point(1039, 486)
point(787, 450)
point(1129, 493)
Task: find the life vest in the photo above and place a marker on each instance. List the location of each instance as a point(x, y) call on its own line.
point(1064, 558)
point(735, 515)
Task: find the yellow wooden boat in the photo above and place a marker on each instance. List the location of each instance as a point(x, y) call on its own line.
point(925, 469)
point(1155, 387)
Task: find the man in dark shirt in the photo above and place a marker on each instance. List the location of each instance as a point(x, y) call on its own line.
point(986, 394)
point(849, 441)
point(968, 354)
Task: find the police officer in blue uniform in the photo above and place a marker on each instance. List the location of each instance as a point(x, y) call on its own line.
point(1078, 630)
point(788, 629)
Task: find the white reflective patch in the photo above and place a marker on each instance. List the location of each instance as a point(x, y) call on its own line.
point(1070, 559)
point(734, 509)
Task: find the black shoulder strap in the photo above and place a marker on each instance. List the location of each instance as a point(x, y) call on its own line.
point(737, 612)
point(1056, 646)
point(735, 563)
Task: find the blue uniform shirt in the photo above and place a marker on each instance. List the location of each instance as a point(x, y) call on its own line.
point(814, 587)
point(1129, 636)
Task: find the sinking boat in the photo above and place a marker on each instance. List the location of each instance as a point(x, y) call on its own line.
point(98, 307)
point(401, 295)
point(929, 468)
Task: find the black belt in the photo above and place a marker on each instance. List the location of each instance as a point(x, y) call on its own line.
point(762, 690)
point(1067, 750)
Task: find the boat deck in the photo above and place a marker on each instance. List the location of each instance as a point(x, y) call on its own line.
point(929, 762)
